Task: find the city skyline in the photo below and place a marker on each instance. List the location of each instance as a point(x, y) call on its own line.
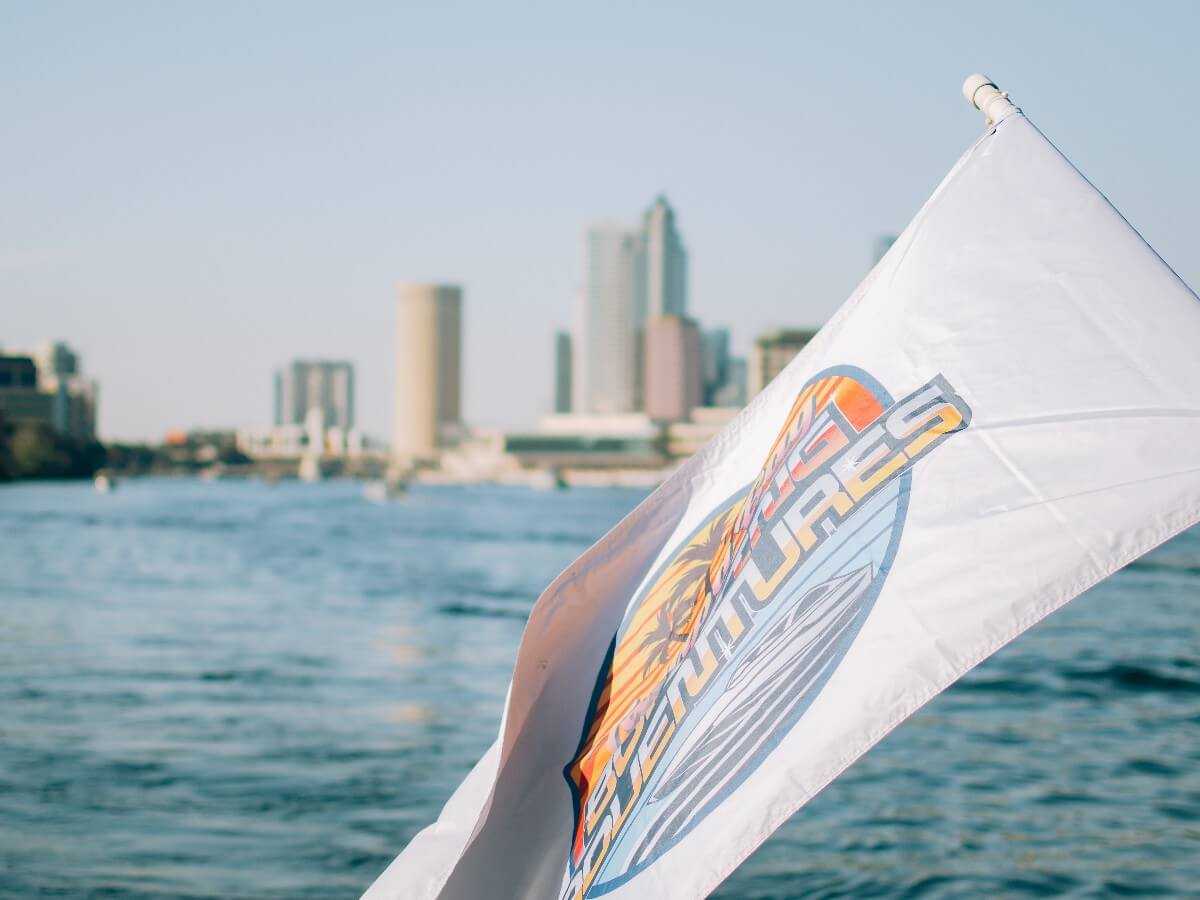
point(633, 275)
point(259, 203)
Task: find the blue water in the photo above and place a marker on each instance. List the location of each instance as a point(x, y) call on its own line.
point(239, 690)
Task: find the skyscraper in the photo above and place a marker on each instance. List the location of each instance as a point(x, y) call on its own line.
point(303, 385)
point(428, 369)
point(562, 372)
point(673, 377)
point(733, 391)
point(632, 275)
point(55, 362)
point(611, 309)
point(666, 262)
point(75, 397)
point(714, 354)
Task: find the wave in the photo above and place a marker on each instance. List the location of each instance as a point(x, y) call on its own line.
point(1177, 566)
point(1130, 677)
point(997, 686)
point(490, 612)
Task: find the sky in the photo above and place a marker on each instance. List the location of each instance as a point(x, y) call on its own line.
point(192, 194)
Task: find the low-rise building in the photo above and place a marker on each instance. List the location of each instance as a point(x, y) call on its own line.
point(588, 441)
point(684, 439)
point(772, 352)
point(598, 449)
point(583, 451)
point(20, 399)
point(45, 387)
point(296, 441)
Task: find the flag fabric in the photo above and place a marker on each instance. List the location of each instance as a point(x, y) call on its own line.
point(1004, 413)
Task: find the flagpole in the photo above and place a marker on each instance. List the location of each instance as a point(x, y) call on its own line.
point(982, 93)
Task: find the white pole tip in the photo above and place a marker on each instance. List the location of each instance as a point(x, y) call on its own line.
point(972, 85)
point(981, 92)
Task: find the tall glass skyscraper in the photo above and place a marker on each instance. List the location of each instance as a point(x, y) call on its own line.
point(666, 262)
point(631, 276)
point(562, 372)
point(613, 297)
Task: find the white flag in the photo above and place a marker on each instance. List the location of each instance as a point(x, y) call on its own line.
point(1005, 412)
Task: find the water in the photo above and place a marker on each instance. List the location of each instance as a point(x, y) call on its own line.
point(239, 690)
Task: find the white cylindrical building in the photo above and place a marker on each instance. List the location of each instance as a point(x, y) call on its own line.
point(428, 369)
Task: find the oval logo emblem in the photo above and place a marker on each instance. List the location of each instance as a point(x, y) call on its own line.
point(733, 637)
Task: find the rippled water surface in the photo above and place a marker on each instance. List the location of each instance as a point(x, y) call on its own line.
point(240, 690)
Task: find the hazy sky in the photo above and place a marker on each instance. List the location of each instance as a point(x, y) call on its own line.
point(193, 193)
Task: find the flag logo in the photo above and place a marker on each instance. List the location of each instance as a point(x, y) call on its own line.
point(735, 635)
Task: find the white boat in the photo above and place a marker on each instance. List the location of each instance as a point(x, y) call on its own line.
point(385, 489)
point(310, 468)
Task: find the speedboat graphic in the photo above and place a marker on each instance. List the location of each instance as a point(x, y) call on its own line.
point(776, 678)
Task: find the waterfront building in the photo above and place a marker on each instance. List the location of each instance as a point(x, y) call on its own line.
point(18, 372)
point(56, 363)
point(595, 424)
point(673, 377)
point(303, 385)
point(591, 449)
point(20, 399)
point(314, 414)
point(732, 393)
point(631, 276)
point(60, 374)
point(428, 370)
point(714, 361)
point(606, 355)
point(291, 442)
point(588, 441)
point(73, 408)
point(683, 439)
point(46, 387)
point(666, 262)
point(562, 372)
point(772, 352)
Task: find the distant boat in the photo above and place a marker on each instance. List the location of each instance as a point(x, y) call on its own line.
point(385, 489)
point(310, 468)
point(547, 480)
point(104, 483)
